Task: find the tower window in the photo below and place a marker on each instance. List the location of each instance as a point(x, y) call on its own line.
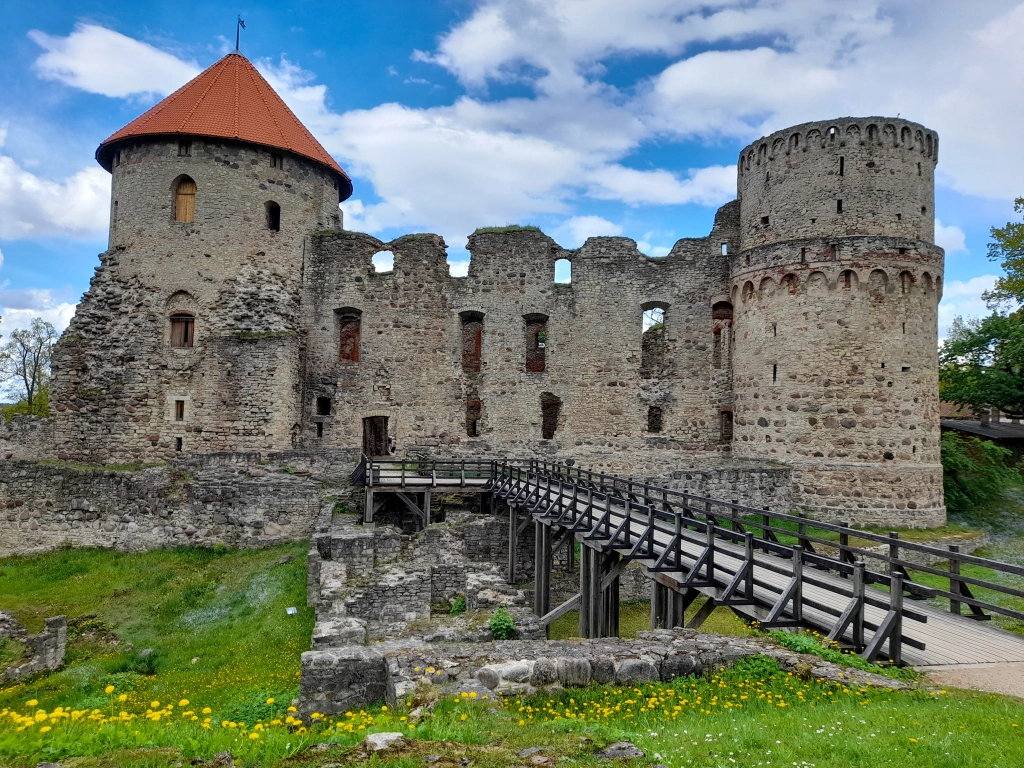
point(655, 418)
point(184, 148)
point(550, 408)
point(323, 406)
point(319, 429)
point(839, 206)
point(918, 169)
point(803, 255)
point(117, 158)
point(924, 209)
point(473, 408)
point(842, 166)
point(349, 329)
point(185, 200)
point(273, 216)
point(182, 329)
point(725, 426)
point(775, 373)
point(536, 343)
point(725, 249)
point(276, 160)
point(764, 220)
point(179, 410)
point(472, 340)
point(178, 443)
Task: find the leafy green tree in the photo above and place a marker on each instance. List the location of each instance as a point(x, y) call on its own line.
point(974, 471)
point(25, 361)
point(981, 363)
point(1007, 247)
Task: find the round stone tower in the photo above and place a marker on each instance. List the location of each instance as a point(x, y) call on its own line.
point(835, 290)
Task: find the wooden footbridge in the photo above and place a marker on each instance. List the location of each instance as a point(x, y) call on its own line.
point(779, 569)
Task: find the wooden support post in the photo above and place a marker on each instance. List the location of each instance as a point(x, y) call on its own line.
point(586, 553)
point(611, 597)
point(542, 569)
point(896, 606)
point(426, 509)
point(954, 580)
point(368, 506)
point(798, 576)
point(858, 594)
point(596, 604)
point(513, 535)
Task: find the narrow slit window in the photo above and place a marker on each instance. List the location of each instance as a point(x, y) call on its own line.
point(185, 200)
point(721, 316)
point(842, 166)
point(550, 410)
point(273, 216)
point(349, 330)
point(183, 328)
point(179, 410)
point(775, 373)
point(839, 206)
point(473, 410)
point(725, 426)
point(117, 158)
point(319, 429)
point(655, 418)
point(725, 249)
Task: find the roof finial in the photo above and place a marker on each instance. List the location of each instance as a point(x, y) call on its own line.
point(238, 27)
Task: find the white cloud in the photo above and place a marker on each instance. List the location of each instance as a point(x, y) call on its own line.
point(18, 308)
point(708, 186)
point(458, 268)
point(950, 238)
point(3, 134)
point(100, 60)
point(573, 232)
point(31, 206)
point(652, 250)
point(1, 259)
point(963, 298)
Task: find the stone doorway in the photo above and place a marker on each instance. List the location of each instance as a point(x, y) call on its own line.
point(375, 436)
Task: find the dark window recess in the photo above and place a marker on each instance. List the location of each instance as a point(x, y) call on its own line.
point(349, 325)
point(115, 212)
point(536, 343)
point(473, 408)
point(178, 443)
point(905, 368)
point(842, 166)
point(721, 316)
point(655, 418)
point(179, 410)
point(117, 158)
point(273, 216)
point(775, 372)
point(764, 220)
point(375, 435)
point(323, 406)
point(472, 341)
point(276, 161)
point(918, 169)
point(904, 327)
point(184, 148)
point(903, 251)
point(550, 408)
point(803, 255)
point(725, 426)
point(319, 429)
point(182, 330)
point(847, 278)
point(924, 209)
point(839, 206)
point(899, 217)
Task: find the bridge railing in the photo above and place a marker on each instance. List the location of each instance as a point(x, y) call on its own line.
point(424, 472)
point(828, 546)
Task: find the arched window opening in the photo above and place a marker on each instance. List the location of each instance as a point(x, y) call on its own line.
point(550, 409)
point(536, 338)
point(473, 409)
point(349, 323)
point(472, 340)
point(185, 200)
point(383, 261)
point(848, 280)
point(721, 316)
point(273, 216)
point(183, 326)
point(653, 341)
point(563, 271)
point(906, 282)
point(655, 418)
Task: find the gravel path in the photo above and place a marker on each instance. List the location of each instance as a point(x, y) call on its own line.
point(996, 678)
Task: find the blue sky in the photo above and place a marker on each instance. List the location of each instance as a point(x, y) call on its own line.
point(585, 117)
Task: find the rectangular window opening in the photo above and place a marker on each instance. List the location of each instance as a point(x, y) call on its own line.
point(319, 429)
point(803, 255)
point(905, 368)
point(764, 220)
point(550, 409)
point(918, 169)
point(323, 406)
point(655, 418)
point(350, 326)
point(473, 411)
point(839, 206)
point(775, 373)
point(276, 161)
point(904, 327)
point(899, 217)
point(472, 341)
point(184, 148)
point(725, 249)
point(178, 443)
point(725, 426)
point(536, 344)
point(842, 166)
point(117, 157)
point(179, 410)
point(182, 330)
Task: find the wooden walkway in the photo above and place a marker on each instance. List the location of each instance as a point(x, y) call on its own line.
point(690, 551)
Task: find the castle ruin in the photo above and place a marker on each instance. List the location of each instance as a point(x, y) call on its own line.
point(232, 312)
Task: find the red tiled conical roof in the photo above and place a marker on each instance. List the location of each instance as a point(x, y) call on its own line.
point(230, 100)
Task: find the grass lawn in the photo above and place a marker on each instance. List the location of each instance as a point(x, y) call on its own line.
point(636, 617)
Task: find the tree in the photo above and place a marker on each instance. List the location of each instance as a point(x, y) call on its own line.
point(981, 363)
point(974, 471)
point(1007, 247)
point(25, 360)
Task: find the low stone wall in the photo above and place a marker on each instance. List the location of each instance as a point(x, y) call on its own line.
point(44, 506)
point(754, 485)
point(46, 650)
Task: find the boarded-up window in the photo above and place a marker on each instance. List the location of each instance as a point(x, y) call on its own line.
point(349, 326)
point(550, 409)
point(655, 418)
point(273, 216)
point(472, 340)
point(182, 330)
point(185, 200)
point(473, 408)
point(536, 342)
point(725, 426)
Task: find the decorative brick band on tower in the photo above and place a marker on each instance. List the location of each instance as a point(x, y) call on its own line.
point(836, 287)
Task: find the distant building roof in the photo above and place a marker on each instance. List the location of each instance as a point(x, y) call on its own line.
point(229, 100)
point(994, 430)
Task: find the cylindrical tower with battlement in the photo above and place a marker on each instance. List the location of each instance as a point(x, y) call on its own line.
point(835, 289)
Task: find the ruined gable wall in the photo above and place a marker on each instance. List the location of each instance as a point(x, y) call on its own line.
point(411, 369)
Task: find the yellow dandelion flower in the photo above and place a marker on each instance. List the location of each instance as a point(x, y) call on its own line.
point(31, 703)
point(270, 700)
point(207, 710)
point(154, 704)
point(44, 729)
point(183, 703)
point(123, 697)
point(109, 689)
